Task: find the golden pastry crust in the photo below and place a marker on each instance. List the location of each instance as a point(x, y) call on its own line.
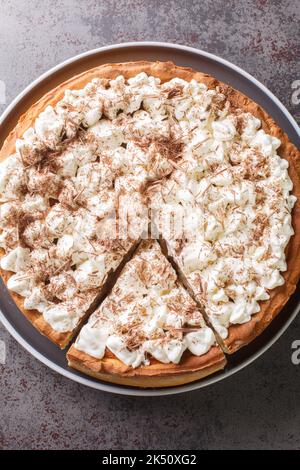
point(157, 374)
point(239, 335)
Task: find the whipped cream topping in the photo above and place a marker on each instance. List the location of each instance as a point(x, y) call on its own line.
point(147, 312)
point(62, 190)
point(76, 194)
point(232, 198)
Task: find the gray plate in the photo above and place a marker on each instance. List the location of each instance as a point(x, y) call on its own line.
point(10, 316)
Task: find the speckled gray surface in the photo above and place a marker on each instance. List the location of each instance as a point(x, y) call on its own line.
point(257, 408)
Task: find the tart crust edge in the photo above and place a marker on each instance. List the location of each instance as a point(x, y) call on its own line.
point(157, 374)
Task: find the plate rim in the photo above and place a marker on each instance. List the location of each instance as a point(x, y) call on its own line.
point(114, 388)
point(171, 45)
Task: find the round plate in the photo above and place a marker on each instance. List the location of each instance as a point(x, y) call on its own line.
point(10, 316)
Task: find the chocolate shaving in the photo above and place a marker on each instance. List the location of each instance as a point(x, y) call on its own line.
point(260, 222)
point(175, 92)
point(167, 147)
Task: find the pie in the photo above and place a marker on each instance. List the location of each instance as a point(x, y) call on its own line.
point(122, 155)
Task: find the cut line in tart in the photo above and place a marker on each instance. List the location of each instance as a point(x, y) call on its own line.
point(148, 331)
point(123, 152)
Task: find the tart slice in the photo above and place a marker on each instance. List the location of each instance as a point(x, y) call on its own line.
point(57, 287)
point(148, 332)
point(231, 225)
point(71, 194)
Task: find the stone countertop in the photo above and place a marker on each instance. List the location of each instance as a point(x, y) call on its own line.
point(256, 408)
